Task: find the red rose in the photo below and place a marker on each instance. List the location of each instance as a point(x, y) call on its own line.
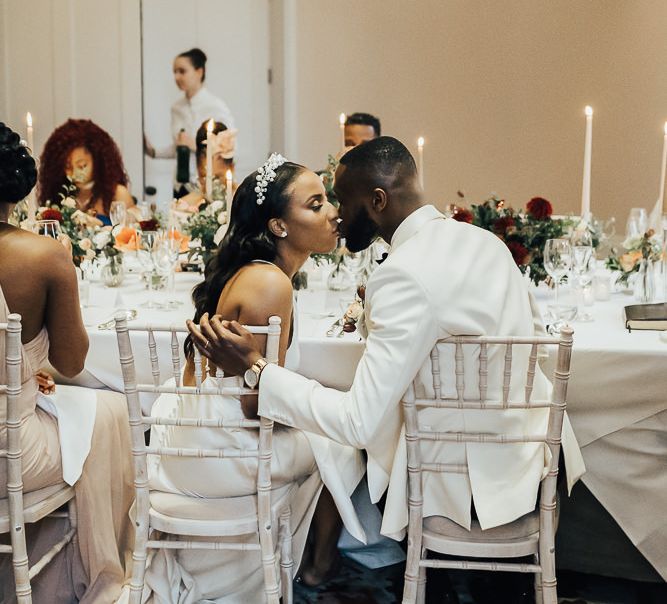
point(149, 225)
point(539, 208)
point(501, 225)
point(519, 252)
point(462, 215)
point(52, 214)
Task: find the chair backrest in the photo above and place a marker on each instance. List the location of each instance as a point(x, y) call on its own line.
point(502, 400)
point(137, 422)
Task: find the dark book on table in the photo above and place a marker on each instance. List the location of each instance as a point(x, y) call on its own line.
point(646, 316)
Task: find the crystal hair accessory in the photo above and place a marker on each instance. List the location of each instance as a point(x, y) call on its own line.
point(224, 143)
point(266, 174)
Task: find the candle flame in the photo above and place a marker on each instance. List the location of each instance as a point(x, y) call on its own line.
point(665, 127)
point(420, 142)
point(228, 175)
point(210, 125)
point(341, 119)
point(28, 119)
point(588, 110)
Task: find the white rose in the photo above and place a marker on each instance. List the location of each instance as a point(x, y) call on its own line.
point(68, 202)
point(222, 218)
point(219, 234)
point(101, 239)
point(79, 217)
point(215, 207)
point(41, 210)
point(85, 244)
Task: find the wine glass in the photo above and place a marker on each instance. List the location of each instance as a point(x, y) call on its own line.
point(50, 228)
point(145, 254)
point(173, 244)
point(581, 259)
point(117, 212)
point(557, 262)
point(637, 223)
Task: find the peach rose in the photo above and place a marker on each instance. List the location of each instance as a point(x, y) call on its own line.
point(184, 239)
point(628, 261)
point(126, 239)
point(85, 244)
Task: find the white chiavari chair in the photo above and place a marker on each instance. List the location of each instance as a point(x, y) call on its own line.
point(531, 535)
point(222, 517)
point(19, 508)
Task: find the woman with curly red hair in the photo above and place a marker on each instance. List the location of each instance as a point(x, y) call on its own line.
point(84, 154)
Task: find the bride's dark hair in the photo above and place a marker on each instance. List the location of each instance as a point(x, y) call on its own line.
point(248, 237)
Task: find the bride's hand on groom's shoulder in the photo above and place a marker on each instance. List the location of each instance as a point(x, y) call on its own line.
point(226, 343)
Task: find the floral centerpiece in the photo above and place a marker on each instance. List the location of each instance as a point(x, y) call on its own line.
point(206, 229)
point(635, 249)
point(524, 231)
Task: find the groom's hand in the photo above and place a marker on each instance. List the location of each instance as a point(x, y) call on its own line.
point(227, 344)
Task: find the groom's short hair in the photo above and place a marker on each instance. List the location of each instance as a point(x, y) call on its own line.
point(383, 160)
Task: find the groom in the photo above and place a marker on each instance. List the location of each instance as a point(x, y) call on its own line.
point(441, 278)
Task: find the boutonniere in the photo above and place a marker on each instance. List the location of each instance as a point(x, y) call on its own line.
point(355, 310)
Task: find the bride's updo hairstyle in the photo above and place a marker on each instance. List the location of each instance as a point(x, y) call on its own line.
point(18, 172)
point(248, 237)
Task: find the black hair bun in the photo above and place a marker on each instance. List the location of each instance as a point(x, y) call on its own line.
point(18, 171)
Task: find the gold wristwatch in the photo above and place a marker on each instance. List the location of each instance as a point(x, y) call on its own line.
point(251, 376)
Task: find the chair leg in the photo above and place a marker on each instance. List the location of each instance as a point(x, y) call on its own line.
point(286, 561)
point(20, 563)
point(412, 572)
point(139, 555)
point(538, 582)
point(421, 581)
point(548, 564)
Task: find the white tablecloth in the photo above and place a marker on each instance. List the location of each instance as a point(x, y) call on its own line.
point(617, 398)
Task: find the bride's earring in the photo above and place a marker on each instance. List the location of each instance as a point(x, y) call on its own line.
point(283, 234)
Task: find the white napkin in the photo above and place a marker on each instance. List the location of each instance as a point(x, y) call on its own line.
point(75, 409)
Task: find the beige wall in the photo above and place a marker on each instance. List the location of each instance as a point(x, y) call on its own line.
point(73, 58)
point(498, 90)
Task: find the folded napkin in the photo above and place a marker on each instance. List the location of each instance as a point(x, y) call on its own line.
point(75, 409)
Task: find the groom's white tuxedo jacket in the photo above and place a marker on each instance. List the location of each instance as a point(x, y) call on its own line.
point(441, 278)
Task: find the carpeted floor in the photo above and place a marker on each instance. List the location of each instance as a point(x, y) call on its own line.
point(358, 585)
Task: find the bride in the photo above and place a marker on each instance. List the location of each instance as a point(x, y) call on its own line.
point(279, 216)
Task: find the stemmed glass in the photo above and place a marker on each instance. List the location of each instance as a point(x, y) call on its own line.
point(50, 228)
point(117, 212)
point(557, 262)
point(172, 242)
point(146, 243)
point(637, 223)
point(582, 253)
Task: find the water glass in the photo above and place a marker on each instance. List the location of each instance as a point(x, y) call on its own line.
point(637, 223)
point(173, 245)
point(50, 228)
point(118, 212)
point(581, 259)
point(557, 263)
point(146, 242)
point(84, 288)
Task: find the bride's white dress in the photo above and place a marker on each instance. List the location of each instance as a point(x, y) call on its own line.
point(189, 576)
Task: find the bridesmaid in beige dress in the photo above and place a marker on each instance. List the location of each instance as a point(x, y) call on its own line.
point(37, 280)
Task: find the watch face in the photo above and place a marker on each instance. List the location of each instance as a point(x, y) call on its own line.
point(251, 378)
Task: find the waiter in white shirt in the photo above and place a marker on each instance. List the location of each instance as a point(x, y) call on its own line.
point(195, 106)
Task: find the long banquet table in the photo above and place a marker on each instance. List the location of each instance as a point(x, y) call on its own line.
point(617, 397)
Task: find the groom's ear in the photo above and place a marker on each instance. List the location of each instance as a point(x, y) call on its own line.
point(379, 200)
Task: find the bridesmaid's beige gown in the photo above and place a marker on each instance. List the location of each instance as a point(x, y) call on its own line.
point(92, 569)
